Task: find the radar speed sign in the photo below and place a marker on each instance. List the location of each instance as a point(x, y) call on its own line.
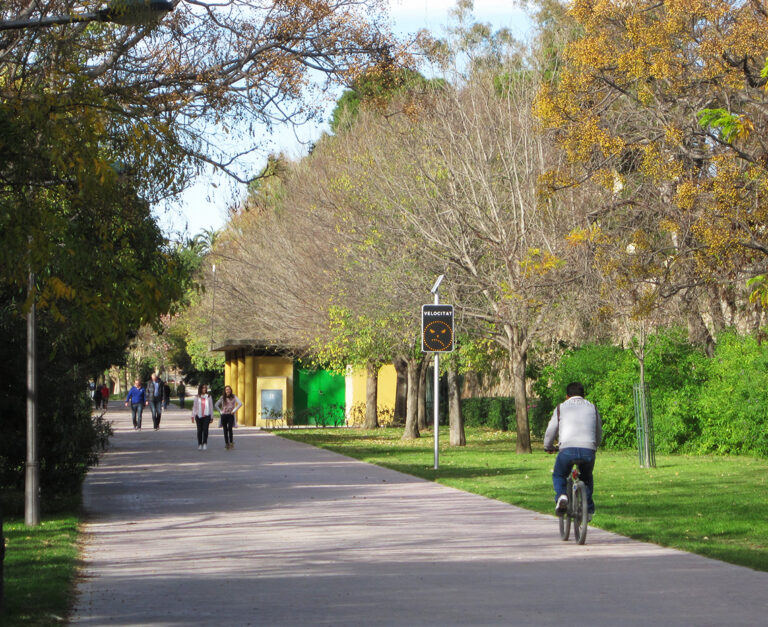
point(437, 328)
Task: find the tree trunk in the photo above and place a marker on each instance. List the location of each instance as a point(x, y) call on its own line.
point(422, 397)
point(371, 397)
point(698, 333)
point(455, 419)
point(411, 410)
point(517, 362)
point(401, 389)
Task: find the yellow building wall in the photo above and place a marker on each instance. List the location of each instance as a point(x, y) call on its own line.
point(274, 367)
point(240, 376)
point(228, 372)
point(271, 383)
point(386, 388)
point(272, 373)
point(233, 374)
point(248, 398)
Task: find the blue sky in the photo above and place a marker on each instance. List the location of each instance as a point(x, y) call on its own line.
point(204, 205)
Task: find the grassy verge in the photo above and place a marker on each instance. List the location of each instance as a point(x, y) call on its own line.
point(714, 506)
point(40, 566)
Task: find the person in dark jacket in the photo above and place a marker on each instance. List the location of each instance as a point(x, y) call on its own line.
point(181, 391)
point(136, 398)
point(155, 395)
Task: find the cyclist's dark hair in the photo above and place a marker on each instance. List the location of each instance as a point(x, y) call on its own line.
point(574, 389)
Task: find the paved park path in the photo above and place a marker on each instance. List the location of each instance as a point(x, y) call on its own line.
point(279, 533)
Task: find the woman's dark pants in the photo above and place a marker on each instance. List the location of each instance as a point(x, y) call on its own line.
point(202, 429)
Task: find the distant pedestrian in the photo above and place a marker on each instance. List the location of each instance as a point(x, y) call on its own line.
point(166, 395)
point(181, 391)
point(155, 392)
point(96, 396)
point(202, 415)
point(104, 396)
point(228, 405)
point(136, 398)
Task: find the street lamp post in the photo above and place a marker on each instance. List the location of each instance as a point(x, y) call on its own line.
point(213, 303)
point(32, 477)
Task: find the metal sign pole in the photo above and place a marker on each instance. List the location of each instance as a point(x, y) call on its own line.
point(436, 389)
point(436, 397)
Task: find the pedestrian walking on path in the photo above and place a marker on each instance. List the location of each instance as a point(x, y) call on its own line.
point(228, 405)
point(181, 391)
point(155, 395)
point(136, 398)
point(104, 396)
point(202, 415)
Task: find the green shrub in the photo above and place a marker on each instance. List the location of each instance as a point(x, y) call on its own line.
point(70, 438)
point(676, 372)
point(699, 405)
point(495, 412)
point(607, 373)
point(734, 401)
point(323, 416)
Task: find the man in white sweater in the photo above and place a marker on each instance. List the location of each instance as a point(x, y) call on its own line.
point(577, 426)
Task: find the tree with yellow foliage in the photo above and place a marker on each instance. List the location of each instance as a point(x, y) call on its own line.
point(660, 107)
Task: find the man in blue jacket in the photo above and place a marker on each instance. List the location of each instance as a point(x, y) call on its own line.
point(577, 426)
point(137, 400)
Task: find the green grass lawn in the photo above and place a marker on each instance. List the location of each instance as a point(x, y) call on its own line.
point(40, 565)
point(714, 506)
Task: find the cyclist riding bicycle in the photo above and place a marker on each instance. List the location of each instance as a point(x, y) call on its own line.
point(577, 426)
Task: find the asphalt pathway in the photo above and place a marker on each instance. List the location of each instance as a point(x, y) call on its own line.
point(278, 533)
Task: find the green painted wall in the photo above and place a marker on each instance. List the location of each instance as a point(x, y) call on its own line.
point(318, 397)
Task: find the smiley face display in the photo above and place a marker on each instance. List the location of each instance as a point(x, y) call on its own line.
point(438, 336)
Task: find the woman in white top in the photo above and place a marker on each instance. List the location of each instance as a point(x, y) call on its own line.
point(202, 414)
point(228, 406)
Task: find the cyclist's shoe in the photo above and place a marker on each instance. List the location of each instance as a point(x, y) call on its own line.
point(562, 505)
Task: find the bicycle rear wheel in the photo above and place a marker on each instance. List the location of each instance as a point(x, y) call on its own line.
point(565, 519)
point(580, 516)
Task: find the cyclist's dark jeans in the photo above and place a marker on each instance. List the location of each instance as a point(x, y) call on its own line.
point(566, 458)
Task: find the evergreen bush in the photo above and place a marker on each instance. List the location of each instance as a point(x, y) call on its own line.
point(607, 373)
point(699, 404)
point(734, 401)
point(70, 436)
point(495, 412)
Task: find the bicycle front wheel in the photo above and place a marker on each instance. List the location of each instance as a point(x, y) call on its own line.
point(580, 515)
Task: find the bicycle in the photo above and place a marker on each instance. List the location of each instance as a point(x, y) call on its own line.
point(577, 512)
